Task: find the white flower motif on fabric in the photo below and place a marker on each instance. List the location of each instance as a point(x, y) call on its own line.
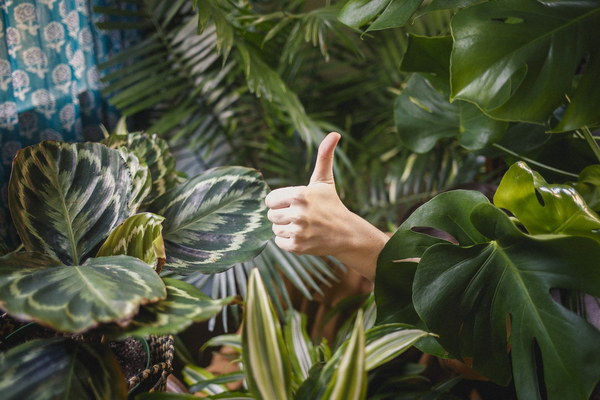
point(76, 60)
point(36, 61)
point(44, 102)
point(83, 7)
point(13, 40)
point(21, 85)
point(48, 3)
point(8, 117)
point(67, 116)
point(26, 18)
point(4, 4)
point(54, 33)
point(61, 77)
point(50, 134)
point(72, 23)
point(85, 39)
point(5, 74)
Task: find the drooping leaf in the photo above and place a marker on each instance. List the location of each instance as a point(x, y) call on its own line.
point(518, 59)
point(76, 298)
point(475, 297)
point(423, 116)
point(588, 185)
point(349, 379)
point(60, 368)
point(138, 236)
point(265, 359)
point(214, 220)
point(155, 153)
point(184, 305)
point(545, 208)
point(65, 198)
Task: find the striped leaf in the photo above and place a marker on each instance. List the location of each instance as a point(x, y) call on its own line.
point(141, 180)
point(349, 380)
point(76, 298)
point(138, 236)
point(60, 368)
point(300, 348)
point(154, 152)
point(386, 342)
point(66, 197)
point(184, 305)
point(214, 220)
point(264, 355)
point(231, 340)
point(194, 375)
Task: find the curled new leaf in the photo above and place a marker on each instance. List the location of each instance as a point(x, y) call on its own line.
point(66, 197)
point(76, 298)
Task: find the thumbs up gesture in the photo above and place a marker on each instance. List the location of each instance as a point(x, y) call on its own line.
point(313, 220)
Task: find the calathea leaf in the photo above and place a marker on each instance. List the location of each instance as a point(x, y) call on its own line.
point(517, 59)
point(76, 298)
point(65, 198)
point(545, 208)
point(184, 305)
point(474, 297)
point(60, 368)
point(141, 180)
point(152, 151)
point(214, 220)
point(138, 236)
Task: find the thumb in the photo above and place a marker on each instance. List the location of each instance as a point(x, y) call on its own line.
point(323, 172)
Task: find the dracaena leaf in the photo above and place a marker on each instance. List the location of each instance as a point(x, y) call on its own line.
point(184, 305)
point(264, 353)
point(76, 298)
point(65, 198)
point(60, 368)
point(467, 295)
point(214, 220)
point(138, 236)
point(545, 208)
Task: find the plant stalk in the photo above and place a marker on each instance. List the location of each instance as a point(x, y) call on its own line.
point(536, 163)
point(589, 138)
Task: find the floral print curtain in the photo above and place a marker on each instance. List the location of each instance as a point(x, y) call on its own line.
point(49, 80)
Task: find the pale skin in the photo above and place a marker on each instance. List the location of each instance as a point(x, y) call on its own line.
point(313, 220)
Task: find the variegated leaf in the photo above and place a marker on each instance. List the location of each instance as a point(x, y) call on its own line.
point(184, 305)
point(154, 152)
point(300, 348)
point(77, 298)
point(386, 342)
point(66, 197)
point(264, 355)
point(138, 236)
point(349, 380)
point(214, 220)
point(193, 375)
point(141, 180)
point(59, 368)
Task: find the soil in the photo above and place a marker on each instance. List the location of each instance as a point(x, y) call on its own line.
point(131, 355)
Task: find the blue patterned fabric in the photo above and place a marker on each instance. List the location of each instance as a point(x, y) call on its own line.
point(49, 81)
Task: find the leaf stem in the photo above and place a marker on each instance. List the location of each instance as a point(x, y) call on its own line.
point(536, 163)
point(591, 140)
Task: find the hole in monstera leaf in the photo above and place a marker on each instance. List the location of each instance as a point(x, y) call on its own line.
point(509, 20)
point(540, 199)
point(539, 369)
point(436, 233)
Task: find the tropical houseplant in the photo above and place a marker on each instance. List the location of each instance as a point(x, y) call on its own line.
point(98, 223)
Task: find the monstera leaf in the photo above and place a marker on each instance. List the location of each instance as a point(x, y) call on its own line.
point(214, 220)
point(588, 185)
point(544, 208)
point(65, 198)
point(476, 297)
point(184, 305)
point(76, 298)
point(138, 236)
point(518, 60)
point(60, 368)
point(380, 14)
point(152, 151)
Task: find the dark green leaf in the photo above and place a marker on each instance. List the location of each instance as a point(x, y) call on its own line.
point(475, 297)
point(214, 220)
point(66, 197)
point(59, 368)
point(430, 56)
point(138, 236)
point(396, 14)
point(357, 13)
point(544, 208)
point(76, 298)
point(517, 59)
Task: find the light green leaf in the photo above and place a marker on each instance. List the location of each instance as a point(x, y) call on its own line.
point(65, 198)
point(192, 375)
point(264, 355)
point(183, 306)
point(299, 345)
point(517, 59)
point(60, 368)
point(214, 220)
point(76, 298)
point(231, 340)
point(588, 185)
point(138, 236)
point(475, 297)
point(349, 381)
point(544, 208)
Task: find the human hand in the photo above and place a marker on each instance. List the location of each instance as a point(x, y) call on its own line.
point(313, 220)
